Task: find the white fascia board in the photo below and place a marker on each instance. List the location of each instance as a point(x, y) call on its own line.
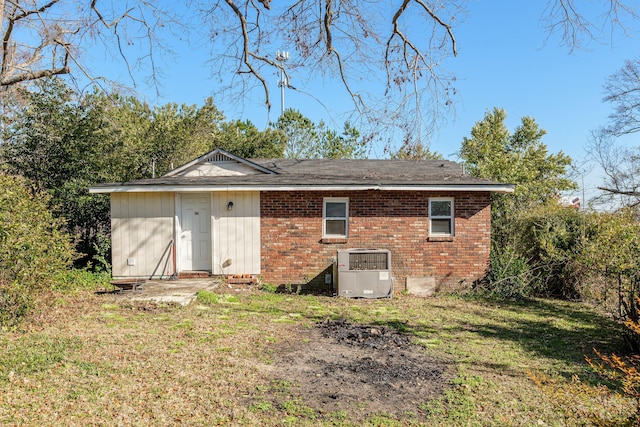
point(498, 188)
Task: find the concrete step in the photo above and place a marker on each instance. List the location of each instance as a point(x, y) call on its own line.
point(194, 274)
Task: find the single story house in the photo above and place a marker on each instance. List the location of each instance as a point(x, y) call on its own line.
point(285, 219)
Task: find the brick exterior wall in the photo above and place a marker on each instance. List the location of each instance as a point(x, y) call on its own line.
point(293, 251)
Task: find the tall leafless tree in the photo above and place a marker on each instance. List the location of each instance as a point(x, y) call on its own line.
point(406, 41)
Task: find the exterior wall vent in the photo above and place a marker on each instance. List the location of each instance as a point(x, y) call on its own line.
point(364, 273)
point(219, 158)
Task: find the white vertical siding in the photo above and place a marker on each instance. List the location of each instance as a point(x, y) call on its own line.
point(142, 229)
point(219, 169)
point(236, 233)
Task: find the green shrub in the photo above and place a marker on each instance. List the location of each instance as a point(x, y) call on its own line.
point(33, 246)
point(551, 238)
point(509, 276)
point(102, 253)
point(15, 302)
point(78, 279)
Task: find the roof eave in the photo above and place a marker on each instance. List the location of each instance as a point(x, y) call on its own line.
point(495, 188)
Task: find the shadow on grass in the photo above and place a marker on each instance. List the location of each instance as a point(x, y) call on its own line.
point(555, 330)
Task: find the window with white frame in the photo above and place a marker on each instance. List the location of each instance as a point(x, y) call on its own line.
point(441, 216)
point(335, 217)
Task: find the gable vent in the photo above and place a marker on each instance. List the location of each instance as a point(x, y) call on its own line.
point(218, 158)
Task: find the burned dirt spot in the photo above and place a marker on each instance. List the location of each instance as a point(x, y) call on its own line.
point(361, 369)
point(365, 336)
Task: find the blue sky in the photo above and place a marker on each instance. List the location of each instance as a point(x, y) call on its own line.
point(503, 61)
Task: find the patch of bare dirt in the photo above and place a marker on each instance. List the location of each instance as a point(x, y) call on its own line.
point(361, 369)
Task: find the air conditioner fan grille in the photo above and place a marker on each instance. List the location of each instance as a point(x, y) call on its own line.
point(368, 261)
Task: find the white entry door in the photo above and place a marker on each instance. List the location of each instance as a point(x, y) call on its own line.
point(195, 224)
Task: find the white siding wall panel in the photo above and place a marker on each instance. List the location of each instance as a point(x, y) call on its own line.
point(142, 229)
point(236, 233)
point(219, 169)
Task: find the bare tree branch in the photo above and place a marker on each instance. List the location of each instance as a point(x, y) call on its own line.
point(330, 50)
point(41, 39)
point(623, 91)
point(570, 20)
point(34, 75)
point(440, 22)
point(9, 49)
point(389, 58)
point(621, 166)
point(104, 21)
point(247, 53)
point(634, 192)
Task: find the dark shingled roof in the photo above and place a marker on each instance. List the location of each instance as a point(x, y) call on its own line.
point(331, 172)
point(355, 171)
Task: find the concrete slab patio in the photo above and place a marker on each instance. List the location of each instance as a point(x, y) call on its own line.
point(181, 291)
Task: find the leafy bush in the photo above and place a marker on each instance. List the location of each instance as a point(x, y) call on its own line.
point(551, 238)
point(33, 247)
point(15, 302)
point(77, 279)
point(509, 276)
point(102, 253)
point(613, 255)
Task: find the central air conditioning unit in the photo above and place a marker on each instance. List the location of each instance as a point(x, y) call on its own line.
point(364, 273)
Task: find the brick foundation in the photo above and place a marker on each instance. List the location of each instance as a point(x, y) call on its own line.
point(293, 251)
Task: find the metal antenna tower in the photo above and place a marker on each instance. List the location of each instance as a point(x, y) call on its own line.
point(282, 57)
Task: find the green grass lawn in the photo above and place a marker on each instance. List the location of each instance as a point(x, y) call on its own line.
point(88, 359)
